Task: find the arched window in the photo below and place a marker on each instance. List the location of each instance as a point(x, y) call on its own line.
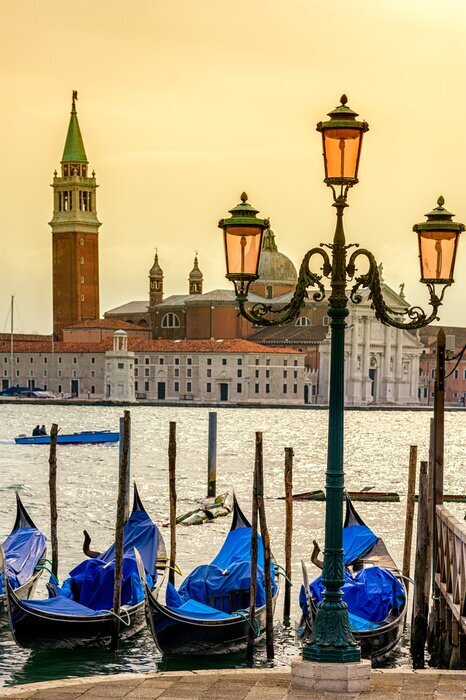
point(303, 321)
point(170, 321)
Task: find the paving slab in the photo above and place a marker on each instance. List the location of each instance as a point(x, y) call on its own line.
point(242, 684)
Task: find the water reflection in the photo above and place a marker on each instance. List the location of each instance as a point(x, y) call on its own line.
point(377, 448)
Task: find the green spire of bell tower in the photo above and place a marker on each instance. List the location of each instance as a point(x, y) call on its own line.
point(74, 151)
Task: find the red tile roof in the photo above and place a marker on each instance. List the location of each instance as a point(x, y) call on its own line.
point(141, 345)
point(107, 323)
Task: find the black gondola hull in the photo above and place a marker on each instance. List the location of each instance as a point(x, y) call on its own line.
point(374, 643)
point(175, 633)
point(25, 591)
point(39, 630)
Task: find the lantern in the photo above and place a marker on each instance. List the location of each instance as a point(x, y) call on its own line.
point(342, 141)
point(438, 241)
point(243, 233)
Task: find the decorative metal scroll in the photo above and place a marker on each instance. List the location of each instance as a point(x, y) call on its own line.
point(371, 280)
point(258, 313)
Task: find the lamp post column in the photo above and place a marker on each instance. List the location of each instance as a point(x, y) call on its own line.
point(332, 640)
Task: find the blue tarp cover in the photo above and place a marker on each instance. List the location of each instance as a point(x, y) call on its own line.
point(23, 549)
point(91, 582)
point(142, 533)
point(215, 585)
point(357, 539)
point(89, 588)
point(58, 606)
point(370, 594)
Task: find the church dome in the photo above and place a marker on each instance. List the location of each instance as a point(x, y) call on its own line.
point(274, 267)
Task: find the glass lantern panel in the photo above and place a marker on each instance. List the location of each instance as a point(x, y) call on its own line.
point(243, 248)
point(342, 152)
point(437, 251)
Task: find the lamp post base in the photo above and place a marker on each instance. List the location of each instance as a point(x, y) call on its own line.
point(353, 677)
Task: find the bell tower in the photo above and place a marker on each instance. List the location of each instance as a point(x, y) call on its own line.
point(75, 229)
point(195, 278)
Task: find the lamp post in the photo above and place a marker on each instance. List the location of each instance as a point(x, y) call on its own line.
point(342, 137)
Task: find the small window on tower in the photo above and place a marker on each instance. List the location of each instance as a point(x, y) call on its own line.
point(81, 242)
point(85, 175)
point(82, 297)
point(82, 259)
point(65, 170)
point(82, 280)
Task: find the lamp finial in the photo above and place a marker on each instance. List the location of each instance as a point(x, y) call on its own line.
point(244, 197)
point(343, 99)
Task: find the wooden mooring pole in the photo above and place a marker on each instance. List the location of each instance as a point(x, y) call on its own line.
point(267, 555)
point(53, 497)
point(288, 531)
point(120, 523)
point(409, 514)
point(125, 439)
point(254, 552)
point(422, 571)
point(172, 489)
point(212, 455)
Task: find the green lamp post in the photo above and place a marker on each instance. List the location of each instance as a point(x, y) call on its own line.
point(342, 137)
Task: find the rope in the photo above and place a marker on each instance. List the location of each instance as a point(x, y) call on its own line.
point(176, 569)
point(281, 571)
point(126, 622)
point(244, 614)
point(52, 575)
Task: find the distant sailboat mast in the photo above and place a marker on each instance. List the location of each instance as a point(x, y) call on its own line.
point(11, 340)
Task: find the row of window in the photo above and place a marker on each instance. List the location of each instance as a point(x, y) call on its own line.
point(6, 359)
point(65, 201)
point(171, 320)
point(239, 387)
point(161, 360)
point(455, 375)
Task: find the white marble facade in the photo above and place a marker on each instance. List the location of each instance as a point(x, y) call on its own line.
point(381, 362)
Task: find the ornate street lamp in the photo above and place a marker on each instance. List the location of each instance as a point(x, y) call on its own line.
point(342, 136)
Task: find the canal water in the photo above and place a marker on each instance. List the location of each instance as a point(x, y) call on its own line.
point(376, 455)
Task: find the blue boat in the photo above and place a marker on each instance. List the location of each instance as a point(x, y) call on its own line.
point(79, 613)
point(25, 549)
point(373, 590)
point(209, 613)
point(85, 437)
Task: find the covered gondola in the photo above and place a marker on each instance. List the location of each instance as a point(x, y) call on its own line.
point(79, 613)
point(24, 550)
point(209, 613)
point(373, 590)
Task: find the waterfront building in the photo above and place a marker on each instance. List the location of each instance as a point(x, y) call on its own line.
point(75, 229)
point(124, 366)
point(455, 384)
point(382, 364)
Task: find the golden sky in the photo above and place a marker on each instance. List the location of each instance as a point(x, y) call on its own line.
point(183, 104)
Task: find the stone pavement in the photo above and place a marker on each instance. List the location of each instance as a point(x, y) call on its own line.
point(242, 684)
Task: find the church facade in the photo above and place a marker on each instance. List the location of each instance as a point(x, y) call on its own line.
point(381, 363)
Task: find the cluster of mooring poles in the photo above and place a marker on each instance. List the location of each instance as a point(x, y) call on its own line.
point(259, 521)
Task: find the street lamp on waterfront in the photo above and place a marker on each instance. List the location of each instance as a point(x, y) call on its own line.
point(438, 237)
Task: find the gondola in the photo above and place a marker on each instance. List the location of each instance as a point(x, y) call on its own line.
point(80, 612)
point(25, 549)
point(374, 590)
point(209, 611)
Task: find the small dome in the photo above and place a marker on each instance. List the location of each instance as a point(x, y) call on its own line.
point(195, 273)
point(274, 267)
point(156, 270)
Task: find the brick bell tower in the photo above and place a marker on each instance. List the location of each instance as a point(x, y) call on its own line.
point(75, 229)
